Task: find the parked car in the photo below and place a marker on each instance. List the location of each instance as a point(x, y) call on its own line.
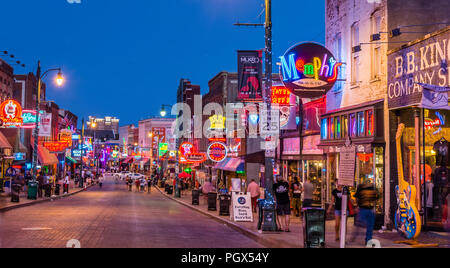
point(122, 175)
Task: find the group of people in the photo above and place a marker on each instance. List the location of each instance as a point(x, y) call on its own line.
point(295, 196)
point(142, 185)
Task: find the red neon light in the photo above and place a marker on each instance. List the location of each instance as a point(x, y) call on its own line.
point(11, 113)
point(217, 152)
point(56, 146)
point(281, 96)
point(335, 73)
point(429, 123)
point(187, 148)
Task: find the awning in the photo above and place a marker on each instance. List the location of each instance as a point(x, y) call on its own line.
point(128, 160)
point(4, 144)
point(231, 164)
point(45, 157)
point(71, 160)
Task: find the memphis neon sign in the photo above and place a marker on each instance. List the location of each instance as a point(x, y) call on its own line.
point(309, 66)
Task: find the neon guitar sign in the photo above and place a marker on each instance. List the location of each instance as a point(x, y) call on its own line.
point(407, 218)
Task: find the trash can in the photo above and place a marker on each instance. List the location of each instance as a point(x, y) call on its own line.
point(177, 192)
point(15, 192)
point(57, 189)
point(314, 227)
point(224, 205)
point(32, 190)
point(166, 188)
point(195, 197)
point(48, 190)
point(170, 190)
point(212, 201)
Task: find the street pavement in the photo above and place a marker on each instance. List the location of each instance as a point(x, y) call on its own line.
point(112, 217)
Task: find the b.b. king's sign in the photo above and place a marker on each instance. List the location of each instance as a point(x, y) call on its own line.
point(423, 62)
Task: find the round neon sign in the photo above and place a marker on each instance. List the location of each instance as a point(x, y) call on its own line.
point(11, 114)
point(309, 70)
point(217, 152)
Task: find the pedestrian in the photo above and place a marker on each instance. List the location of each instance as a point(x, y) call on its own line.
point(296, 197)
point(149, 185)
point(308, 189)
point(66, 184)
point(255, 193)
point(143, 184)
point(137, 182)
point(336, 199)
point(129, 183)
point(281, 189)
point(100, 181)
point(40, 180)
point(366, 198)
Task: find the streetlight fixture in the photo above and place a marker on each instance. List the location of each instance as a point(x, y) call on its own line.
point(59, 82)
point(163, 110)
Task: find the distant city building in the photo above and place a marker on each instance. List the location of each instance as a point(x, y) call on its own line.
point(104, 124)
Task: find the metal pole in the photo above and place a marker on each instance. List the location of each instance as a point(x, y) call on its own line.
point(343, 235)
point(269, 161)
point(36, 130)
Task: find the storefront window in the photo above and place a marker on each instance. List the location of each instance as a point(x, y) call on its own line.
point(332, 126)
point(344, 126)
point(324, 129)
point(316, 172)
point(361, 124)
point(353, 127)
point(370, 123)
point(337, 121)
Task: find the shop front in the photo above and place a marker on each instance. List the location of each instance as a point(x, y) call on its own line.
point(5, 159)
point(361, 128)
point(227, 170)
point(418, 86)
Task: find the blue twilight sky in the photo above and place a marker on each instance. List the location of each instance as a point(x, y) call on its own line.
point(126, 58)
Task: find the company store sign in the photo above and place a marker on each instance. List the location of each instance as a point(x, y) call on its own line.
point(423, 62)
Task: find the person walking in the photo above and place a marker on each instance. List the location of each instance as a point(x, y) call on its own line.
point(129, 183)
point(296, 197)
point(308, 189)
point(137, 182)
point(149, 185)
point(40, 180)
point(255, 193)
point(281, 189)
point(66, 184)
point(143, 184)
point(366, 198)
point(336, 198)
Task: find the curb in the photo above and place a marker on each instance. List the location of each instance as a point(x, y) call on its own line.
point(5, 209)
point(269, 243)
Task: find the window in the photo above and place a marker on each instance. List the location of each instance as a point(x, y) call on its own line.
point(344, 126)
point(376, 48)
point(370, 123)
point(324, 129)
point(332, 126)
point(337, 133)
point(355, 56)
point(353, 127)
point(338, 54)
point(361, 124)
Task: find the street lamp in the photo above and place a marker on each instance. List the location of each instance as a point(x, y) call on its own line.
point(163, 110)
point(59, 82)
point(94, 127)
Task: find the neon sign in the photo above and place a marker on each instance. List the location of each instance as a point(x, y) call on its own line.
point(309, 70)
point(281, 96)
point(56, 146)
point(186, 148)
point(217, 122)
point(437, 123)
point(217, 152)
point(11, 114)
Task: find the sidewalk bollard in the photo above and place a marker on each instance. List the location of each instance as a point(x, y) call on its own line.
point(57, 189)
point(48, 190)
point(170, 190)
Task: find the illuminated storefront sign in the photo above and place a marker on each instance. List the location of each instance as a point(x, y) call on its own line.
point(187, 148)
point(217, 122)
point(163, 148)
point(11, 114)
point(56, 146)
point(217, 152)
point(309, 70)
point(436, 123)
point(281, 96)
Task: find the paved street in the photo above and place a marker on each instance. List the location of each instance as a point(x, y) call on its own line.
point(114, 217)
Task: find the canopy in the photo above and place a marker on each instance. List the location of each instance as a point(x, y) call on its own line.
point(45, 157)
point(4, 144)
point(71, 160)
point(184, 175)
point(231, 164)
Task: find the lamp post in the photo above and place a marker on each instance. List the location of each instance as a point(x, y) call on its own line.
point(94, 128)
point(59, 82)
point(177, 165)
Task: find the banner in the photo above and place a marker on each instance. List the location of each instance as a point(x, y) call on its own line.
point(45, 127)
point(242, 207)
point(250, 75)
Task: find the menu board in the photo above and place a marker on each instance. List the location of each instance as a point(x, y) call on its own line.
point(347, 166)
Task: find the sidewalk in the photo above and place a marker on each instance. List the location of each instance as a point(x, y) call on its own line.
point(6, 204)
point(294, 239)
